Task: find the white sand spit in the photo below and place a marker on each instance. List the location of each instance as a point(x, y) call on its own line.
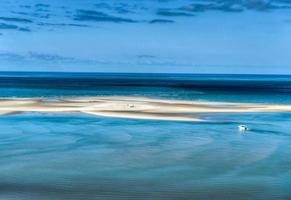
point(134, 107)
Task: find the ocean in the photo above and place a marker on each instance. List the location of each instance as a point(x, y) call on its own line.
point(79, 156)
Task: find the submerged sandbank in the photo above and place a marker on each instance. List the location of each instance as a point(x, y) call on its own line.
point(134, 107)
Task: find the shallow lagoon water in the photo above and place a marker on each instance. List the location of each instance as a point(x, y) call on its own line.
point(72, 156)
point(79, 156)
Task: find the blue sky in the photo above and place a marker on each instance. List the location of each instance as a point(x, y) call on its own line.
point(184, 36)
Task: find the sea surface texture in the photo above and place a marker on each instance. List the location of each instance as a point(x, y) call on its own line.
point(47, 156)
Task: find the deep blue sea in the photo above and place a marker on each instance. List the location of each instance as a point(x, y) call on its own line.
point(79, 156)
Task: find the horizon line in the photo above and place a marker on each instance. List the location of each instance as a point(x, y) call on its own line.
point(138, 73)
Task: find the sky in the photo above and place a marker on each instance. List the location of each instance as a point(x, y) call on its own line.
point(151, 36)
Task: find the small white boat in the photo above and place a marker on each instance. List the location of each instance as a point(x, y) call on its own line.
point(243, 128)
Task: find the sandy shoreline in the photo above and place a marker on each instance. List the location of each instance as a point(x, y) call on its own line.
point(133, 107)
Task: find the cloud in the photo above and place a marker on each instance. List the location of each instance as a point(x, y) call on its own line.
point(62, 24)
point(42, 10)
point(199, 7)
point(263, 5)
point(121, 8)
point(39, 61)
point(91, 15)
point(24, 29)
point(172, 13)
point(25, 6)
point(4, 26)
point(36, 58)
point(33, 56)
point(161, 21)
point(11, 56)
point(142, 56)
point(7, 26)
point(234, 6)
point(15, 19)
point(21, 13)
point(33, 14)
point(156, 12)
point(42, 5)
point(103, 6)
point(45, 61)
point(48, 57)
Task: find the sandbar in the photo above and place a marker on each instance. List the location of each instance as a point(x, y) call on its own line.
point(134, 107)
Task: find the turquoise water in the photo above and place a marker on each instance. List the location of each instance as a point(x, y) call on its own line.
point(79, 156)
